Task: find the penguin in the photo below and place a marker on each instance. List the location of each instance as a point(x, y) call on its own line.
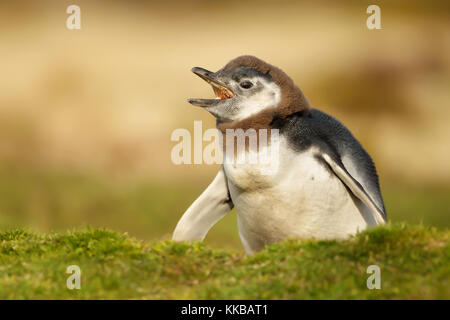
point(325, 186)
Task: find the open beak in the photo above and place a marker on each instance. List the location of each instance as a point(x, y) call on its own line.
point(220, 89)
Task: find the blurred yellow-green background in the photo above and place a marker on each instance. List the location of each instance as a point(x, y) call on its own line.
point(86, 115)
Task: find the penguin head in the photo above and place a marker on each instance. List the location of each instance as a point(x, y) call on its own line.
point(248, 87)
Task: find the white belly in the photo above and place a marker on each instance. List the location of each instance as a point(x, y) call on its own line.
point(301, 200)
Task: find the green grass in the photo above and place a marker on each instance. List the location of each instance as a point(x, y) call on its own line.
point(49, 200)
point(414, 262)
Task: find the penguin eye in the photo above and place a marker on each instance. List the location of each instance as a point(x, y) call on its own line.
point(246, 84)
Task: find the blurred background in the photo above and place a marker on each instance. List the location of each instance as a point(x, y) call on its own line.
point(86, 115)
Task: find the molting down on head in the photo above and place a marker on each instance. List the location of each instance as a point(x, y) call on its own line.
point(250, 93)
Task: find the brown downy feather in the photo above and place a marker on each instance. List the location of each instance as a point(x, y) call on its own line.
point(292, 98)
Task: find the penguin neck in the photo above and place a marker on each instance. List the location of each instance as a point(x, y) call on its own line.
point(260, 120)
point(265, 118)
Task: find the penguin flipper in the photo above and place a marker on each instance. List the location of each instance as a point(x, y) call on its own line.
point(355, 187)
point(212, 205)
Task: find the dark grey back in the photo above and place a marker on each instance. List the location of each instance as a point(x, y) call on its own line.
point(319, 129)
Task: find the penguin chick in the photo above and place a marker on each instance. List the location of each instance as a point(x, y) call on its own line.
point(325, 186)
